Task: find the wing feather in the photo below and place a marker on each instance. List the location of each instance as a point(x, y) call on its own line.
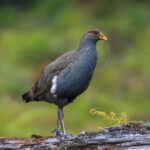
point(43, 84)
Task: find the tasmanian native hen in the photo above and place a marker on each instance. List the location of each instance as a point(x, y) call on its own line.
point(67, 77)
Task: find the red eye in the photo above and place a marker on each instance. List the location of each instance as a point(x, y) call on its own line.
point(94, 32)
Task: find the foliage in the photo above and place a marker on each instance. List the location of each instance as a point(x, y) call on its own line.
point(111, 119)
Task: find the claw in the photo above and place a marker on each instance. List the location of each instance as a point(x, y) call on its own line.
point(53, 131)
point(57, 132)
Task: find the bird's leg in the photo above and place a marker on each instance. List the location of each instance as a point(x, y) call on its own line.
point(61, 115)
point(57, 130)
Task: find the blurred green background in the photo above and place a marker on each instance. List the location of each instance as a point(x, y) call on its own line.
point(35, 32)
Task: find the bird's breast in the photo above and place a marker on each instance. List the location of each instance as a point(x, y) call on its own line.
point(75, 79)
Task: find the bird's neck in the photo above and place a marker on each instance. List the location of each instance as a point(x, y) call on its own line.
point(87, 44)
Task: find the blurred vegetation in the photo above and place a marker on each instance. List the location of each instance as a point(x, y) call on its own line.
point(35, 32)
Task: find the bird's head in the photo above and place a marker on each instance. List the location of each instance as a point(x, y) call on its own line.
point(91, 37)
point(95, 34)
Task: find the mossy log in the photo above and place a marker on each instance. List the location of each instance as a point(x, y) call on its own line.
point(129, 136)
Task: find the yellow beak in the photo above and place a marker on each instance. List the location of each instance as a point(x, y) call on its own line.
point(102, 36)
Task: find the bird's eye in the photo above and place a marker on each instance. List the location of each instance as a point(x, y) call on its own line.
point(94, 32)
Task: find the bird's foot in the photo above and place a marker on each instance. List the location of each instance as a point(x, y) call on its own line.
point(57, 132)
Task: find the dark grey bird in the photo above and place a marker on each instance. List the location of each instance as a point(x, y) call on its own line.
point(67, 77)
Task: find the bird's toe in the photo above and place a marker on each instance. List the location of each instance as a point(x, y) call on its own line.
point(57, 132)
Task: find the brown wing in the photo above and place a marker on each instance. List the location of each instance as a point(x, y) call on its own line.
point(43, 84)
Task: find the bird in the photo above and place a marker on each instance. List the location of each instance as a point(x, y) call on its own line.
point(61, 81)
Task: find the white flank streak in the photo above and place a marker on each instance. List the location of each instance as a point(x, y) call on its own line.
point(54, 86)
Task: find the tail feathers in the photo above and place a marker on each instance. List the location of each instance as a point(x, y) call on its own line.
point(26, 97)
